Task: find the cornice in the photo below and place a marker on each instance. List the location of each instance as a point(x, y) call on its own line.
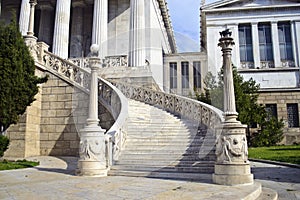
point(167, 21)
point(230, 9)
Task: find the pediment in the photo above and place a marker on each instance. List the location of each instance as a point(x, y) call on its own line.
point(228, 4)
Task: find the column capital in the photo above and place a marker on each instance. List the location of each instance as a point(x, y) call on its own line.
point(254, 23)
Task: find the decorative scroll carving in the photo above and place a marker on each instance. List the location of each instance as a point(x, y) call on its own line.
point(92, 149)
point(231, 149)
point(109, 61)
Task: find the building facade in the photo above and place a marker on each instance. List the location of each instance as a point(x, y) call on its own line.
point(184, 73)
point(267, 49)
point(140, 31)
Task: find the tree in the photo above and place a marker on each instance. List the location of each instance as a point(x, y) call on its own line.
point(250, 112)
point(18, 82)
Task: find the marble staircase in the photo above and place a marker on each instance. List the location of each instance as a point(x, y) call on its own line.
point(161, 145)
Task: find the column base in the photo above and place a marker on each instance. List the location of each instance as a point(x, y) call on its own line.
point(232, 174)
point(91, 168)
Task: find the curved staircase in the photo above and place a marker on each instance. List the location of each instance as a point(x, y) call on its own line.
point(161, 145)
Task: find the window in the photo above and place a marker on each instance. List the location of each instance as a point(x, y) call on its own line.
point(245, 40)
point(197, 74)
point(185, 74)
point(285, 41)
point(293, 115)
point(265, 42)
point(173, 75)
point(272, 110)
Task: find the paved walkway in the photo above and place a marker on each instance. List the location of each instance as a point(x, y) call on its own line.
point(54, 179)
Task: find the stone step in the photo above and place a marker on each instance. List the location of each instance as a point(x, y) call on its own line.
point(198, 169)
point(165, 162)
point(205, 178)
point(158, 157)
point(162, 145)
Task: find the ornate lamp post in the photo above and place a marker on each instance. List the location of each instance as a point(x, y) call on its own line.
point(92, 161)
point(232, 166)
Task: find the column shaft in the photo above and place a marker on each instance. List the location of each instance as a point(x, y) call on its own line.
point(100, 20)
point(137, 53)
point(275, 41)
point(76, 49)
point(61, 28)
point(255, 42)
point(24, 16)
point(45, 28)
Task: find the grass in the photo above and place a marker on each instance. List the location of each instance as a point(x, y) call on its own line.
point(8, 165)
point(288, 154)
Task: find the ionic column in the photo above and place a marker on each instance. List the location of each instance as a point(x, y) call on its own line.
point(100, 20)
point(137, 52)
point(77, 31)
point(24, 17)
point(255, 42)
point(61, 28)
point(275, 41)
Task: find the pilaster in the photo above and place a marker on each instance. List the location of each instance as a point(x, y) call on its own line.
point(100, 20)
point(275, 41)
point(255, 42)
point(24, 16)
point(294, 42)
point(297, 38)
point(61, 28)
point(137, 54)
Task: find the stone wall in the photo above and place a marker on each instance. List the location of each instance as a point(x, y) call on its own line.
point(25, 136)
point(282, 98)
point(51, 125)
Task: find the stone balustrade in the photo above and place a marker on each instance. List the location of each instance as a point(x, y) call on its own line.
point(109, 61)
point(109, 96)
point(186, 108)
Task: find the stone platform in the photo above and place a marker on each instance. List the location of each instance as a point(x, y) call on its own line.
point(54, 179)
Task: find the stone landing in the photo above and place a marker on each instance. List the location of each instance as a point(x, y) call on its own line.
point(54, 179)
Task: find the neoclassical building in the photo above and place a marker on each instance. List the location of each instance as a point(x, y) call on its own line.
point(267, 49)
point(139, 32)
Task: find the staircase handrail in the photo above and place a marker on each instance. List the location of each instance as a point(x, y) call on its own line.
point(109, 96)
point(184, 107)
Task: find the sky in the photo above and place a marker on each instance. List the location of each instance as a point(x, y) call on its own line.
point(185, 17)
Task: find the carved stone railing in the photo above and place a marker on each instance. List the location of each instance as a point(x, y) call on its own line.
point(109, 96)
point(109, 61)
point(267, 64)
point(287, 63)
point(184, 107)
point(247, 65)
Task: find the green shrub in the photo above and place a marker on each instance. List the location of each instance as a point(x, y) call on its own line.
point(4, 142)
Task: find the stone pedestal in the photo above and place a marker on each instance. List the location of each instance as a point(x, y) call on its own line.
point(232, 166)
point(92, 160)
point(31, 43)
